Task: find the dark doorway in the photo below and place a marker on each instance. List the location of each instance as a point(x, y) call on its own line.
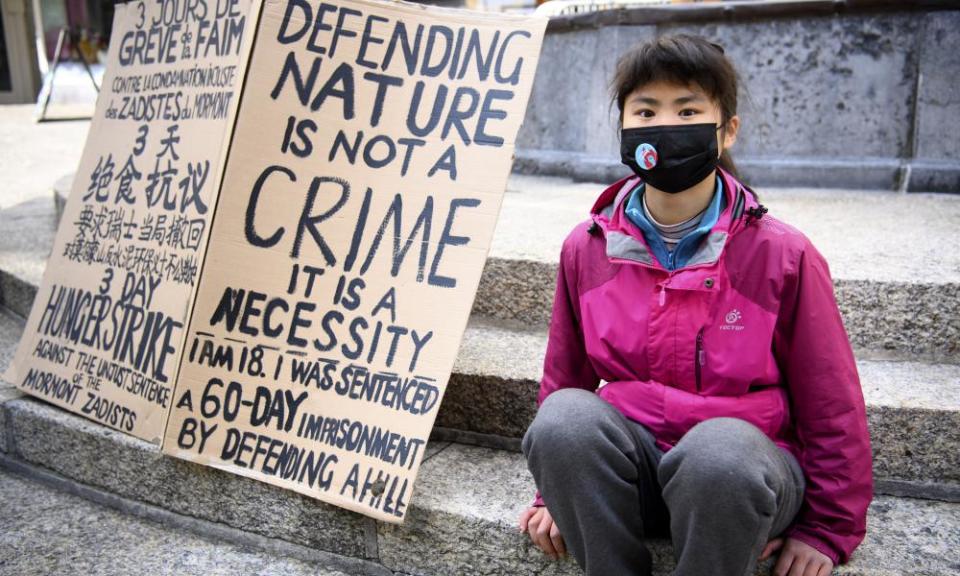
point(6, 81)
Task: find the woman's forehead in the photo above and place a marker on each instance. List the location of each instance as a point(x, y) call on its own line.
point(664, 92)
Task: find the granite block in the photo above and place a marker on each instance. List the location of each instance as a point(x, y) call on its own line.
point(465, 522)
point(913, 407)
point(97, 456)
point(46, 531)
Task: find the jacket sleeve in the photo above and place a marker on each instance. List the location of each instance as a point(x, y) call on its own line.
point(827, 406)
point(566, 364)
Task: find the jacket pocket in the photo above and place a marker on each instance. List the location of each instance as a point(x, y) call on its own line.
point(772, 411)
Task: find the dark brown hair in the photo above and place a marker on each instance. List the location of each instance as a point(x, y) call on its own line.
point(680, 59)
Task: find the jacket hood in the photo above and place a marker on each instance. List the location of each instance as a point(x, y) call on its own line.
point(625, 241)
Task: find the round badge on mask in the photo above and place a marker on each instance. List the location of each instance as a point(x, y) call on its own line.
point(646, 156)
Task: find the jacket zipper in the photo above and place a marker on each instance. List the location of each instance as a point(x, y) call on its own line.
point(698, 361)
point(663, 287)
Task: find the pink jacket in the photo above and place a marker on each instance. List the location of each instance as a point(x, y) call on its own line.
point(749, 328)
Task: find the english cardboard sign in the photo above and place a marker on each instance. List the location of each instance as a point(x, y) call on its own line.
point(371, 149)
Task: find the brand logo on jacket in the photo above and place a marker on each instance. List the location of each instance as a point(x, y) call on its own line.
point(732, 318)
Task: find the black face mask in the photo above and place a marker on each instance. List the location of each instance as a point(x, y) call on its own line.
point(671, 158)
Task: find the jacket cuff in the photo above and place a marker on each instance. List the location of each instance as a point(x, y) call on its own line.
point(819, 544)
point(537, 500)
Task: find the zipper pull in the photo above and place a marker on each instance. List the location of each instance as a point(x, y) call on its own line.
point(700, 354)
point(700, 360)
point(663, 294)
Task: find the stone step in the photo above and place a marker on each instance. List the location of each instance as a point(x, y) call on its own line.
point(49, 531)
point(913, 408)
point(462, 516)
point(26, 239)
point(896, 279)
point(468, 500)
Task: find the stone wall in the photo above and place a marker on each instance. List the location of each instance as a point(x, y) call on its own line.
point(855, 94)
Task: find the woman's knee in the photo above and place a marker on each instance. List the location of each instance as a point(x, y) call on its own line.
point(718, 458)
point(723, 439)
point(566, 418)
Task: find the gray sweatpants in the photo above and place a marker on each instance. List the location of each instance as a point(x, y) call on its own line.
point(720, 494)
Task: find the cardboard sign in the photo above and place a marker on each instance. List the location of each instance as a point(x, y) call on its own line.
point(372, 147)
point(105, 332)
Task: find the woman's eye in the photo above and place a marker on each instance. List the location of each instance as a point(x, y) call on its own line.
point(644, 113)
point(688, 112)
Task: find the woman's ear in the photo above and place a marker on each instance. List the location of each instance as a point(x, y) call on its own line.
point(730, 131)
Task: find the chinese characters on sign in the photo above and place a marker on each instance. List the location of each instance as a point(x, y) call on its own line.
point(104, 336)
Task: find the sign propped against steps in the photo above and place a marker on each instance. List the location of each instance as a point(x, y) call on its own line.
point(365, 174)
point(105, 332)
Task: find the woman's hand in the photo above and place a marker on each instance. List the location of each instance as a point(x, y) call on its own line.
point(797, 559)
point(543, 531)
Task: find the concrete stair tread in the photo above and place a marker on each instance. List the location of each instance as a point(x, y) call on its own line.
point(469, 486)
point(897, 290)
point(46, 531)
point(864, 235)
point(913, 406)
point(11, 327)
point(496, 349)
point(27, 231)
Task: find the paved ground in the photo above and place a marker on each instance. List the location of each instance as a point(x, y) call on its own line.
point(864, 234)
point(47, 532)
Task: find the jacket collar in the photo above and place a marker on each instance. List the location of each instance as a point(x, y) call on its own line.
point(625, 241)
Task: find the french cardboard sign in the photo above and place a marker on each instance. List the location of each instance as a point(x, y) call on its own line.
point(365, 173)
point(104, 335)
